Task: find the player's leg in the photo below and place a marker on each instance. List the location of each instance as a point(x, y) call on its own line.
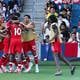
point(56, 50)
point(11, 62)
point(28, 65)
point(18, 49)
point(57, 62)
point(19, 63)
point(25, 50)
point(1, 71)
point(68, 63)
point(12, 55)
point(4, 59)
point(33, 49)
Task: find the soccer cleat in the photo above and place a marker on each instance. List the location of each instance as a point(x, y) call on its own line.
point(29, 68)
point(11, 67)
point(73, 70)
point(58, 73)
point(36, 68)
point(11, 70)
point(19, 68)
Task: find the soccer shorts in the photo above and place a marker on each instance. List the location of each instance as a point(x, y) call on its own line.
point(29, 46)
point(15, 46)
point(56, 47)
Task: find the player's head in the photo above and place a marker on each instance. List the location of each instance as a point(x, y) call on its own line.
point(15, 19)
point(52, 9)
point(52, 19)
point(27, 18)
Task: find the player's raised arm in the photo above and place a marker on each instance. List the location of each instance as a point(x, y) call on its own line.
point(29, 26)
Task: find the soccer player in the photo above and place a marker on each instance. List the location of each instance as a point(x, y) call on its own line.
point(15, 44)
point(29, 41)
point(56, 46)
point(3, 45)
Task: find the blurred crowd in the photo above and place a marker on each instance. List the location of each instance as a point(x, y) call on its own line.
point(61, 14)
point(8, 7)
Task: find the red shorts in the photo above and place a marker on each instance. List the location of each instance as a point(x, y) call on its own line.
point(56, 47)
point(1, 46)
point(15, 46)
point(6, 43)
point(29, 46)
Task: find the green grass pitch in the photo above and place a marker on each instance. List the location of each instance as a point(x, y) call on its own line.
point(47, 70)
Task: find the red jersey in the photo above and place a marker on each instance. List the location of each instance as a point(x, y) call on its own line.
point(15, 38)
point(15, 31)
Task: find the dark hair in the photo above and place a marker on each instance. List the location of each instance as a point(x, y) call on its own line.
point(14, 18)
point(28, 16)
point(63, 23)
point(64, 9)
point(52, 7)
point(52, 19)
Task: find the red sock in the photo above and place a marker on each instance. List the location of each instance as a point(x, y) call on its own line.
point(36, 59)
point(28, 59)
point(26, 64)
point(20, 66)
point(10, 64)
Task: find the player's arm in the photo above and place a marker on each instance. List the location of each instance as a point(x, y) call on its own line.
point(3, 33)
point(29, 26)
point(56, 32)
point(55, 35)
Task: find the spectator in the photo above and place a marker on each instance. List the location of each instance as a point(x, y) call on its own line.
point(21, 4)
point(4, 10)
point(74, 30)
point(72, 38)
point(65, 34)
point(52, 12)
point(11, 4)
point(16, 8)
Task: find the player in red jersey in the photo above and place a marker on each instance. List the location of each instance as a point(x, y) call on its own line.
point(29, 44)
point(15, 43)
point(3, 45)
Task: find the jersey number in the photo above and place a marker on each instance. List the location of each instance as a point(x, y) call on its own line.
point(17, 31)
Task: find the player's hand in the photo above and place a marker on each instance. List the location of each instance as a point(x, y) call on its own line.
point(21, 23)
